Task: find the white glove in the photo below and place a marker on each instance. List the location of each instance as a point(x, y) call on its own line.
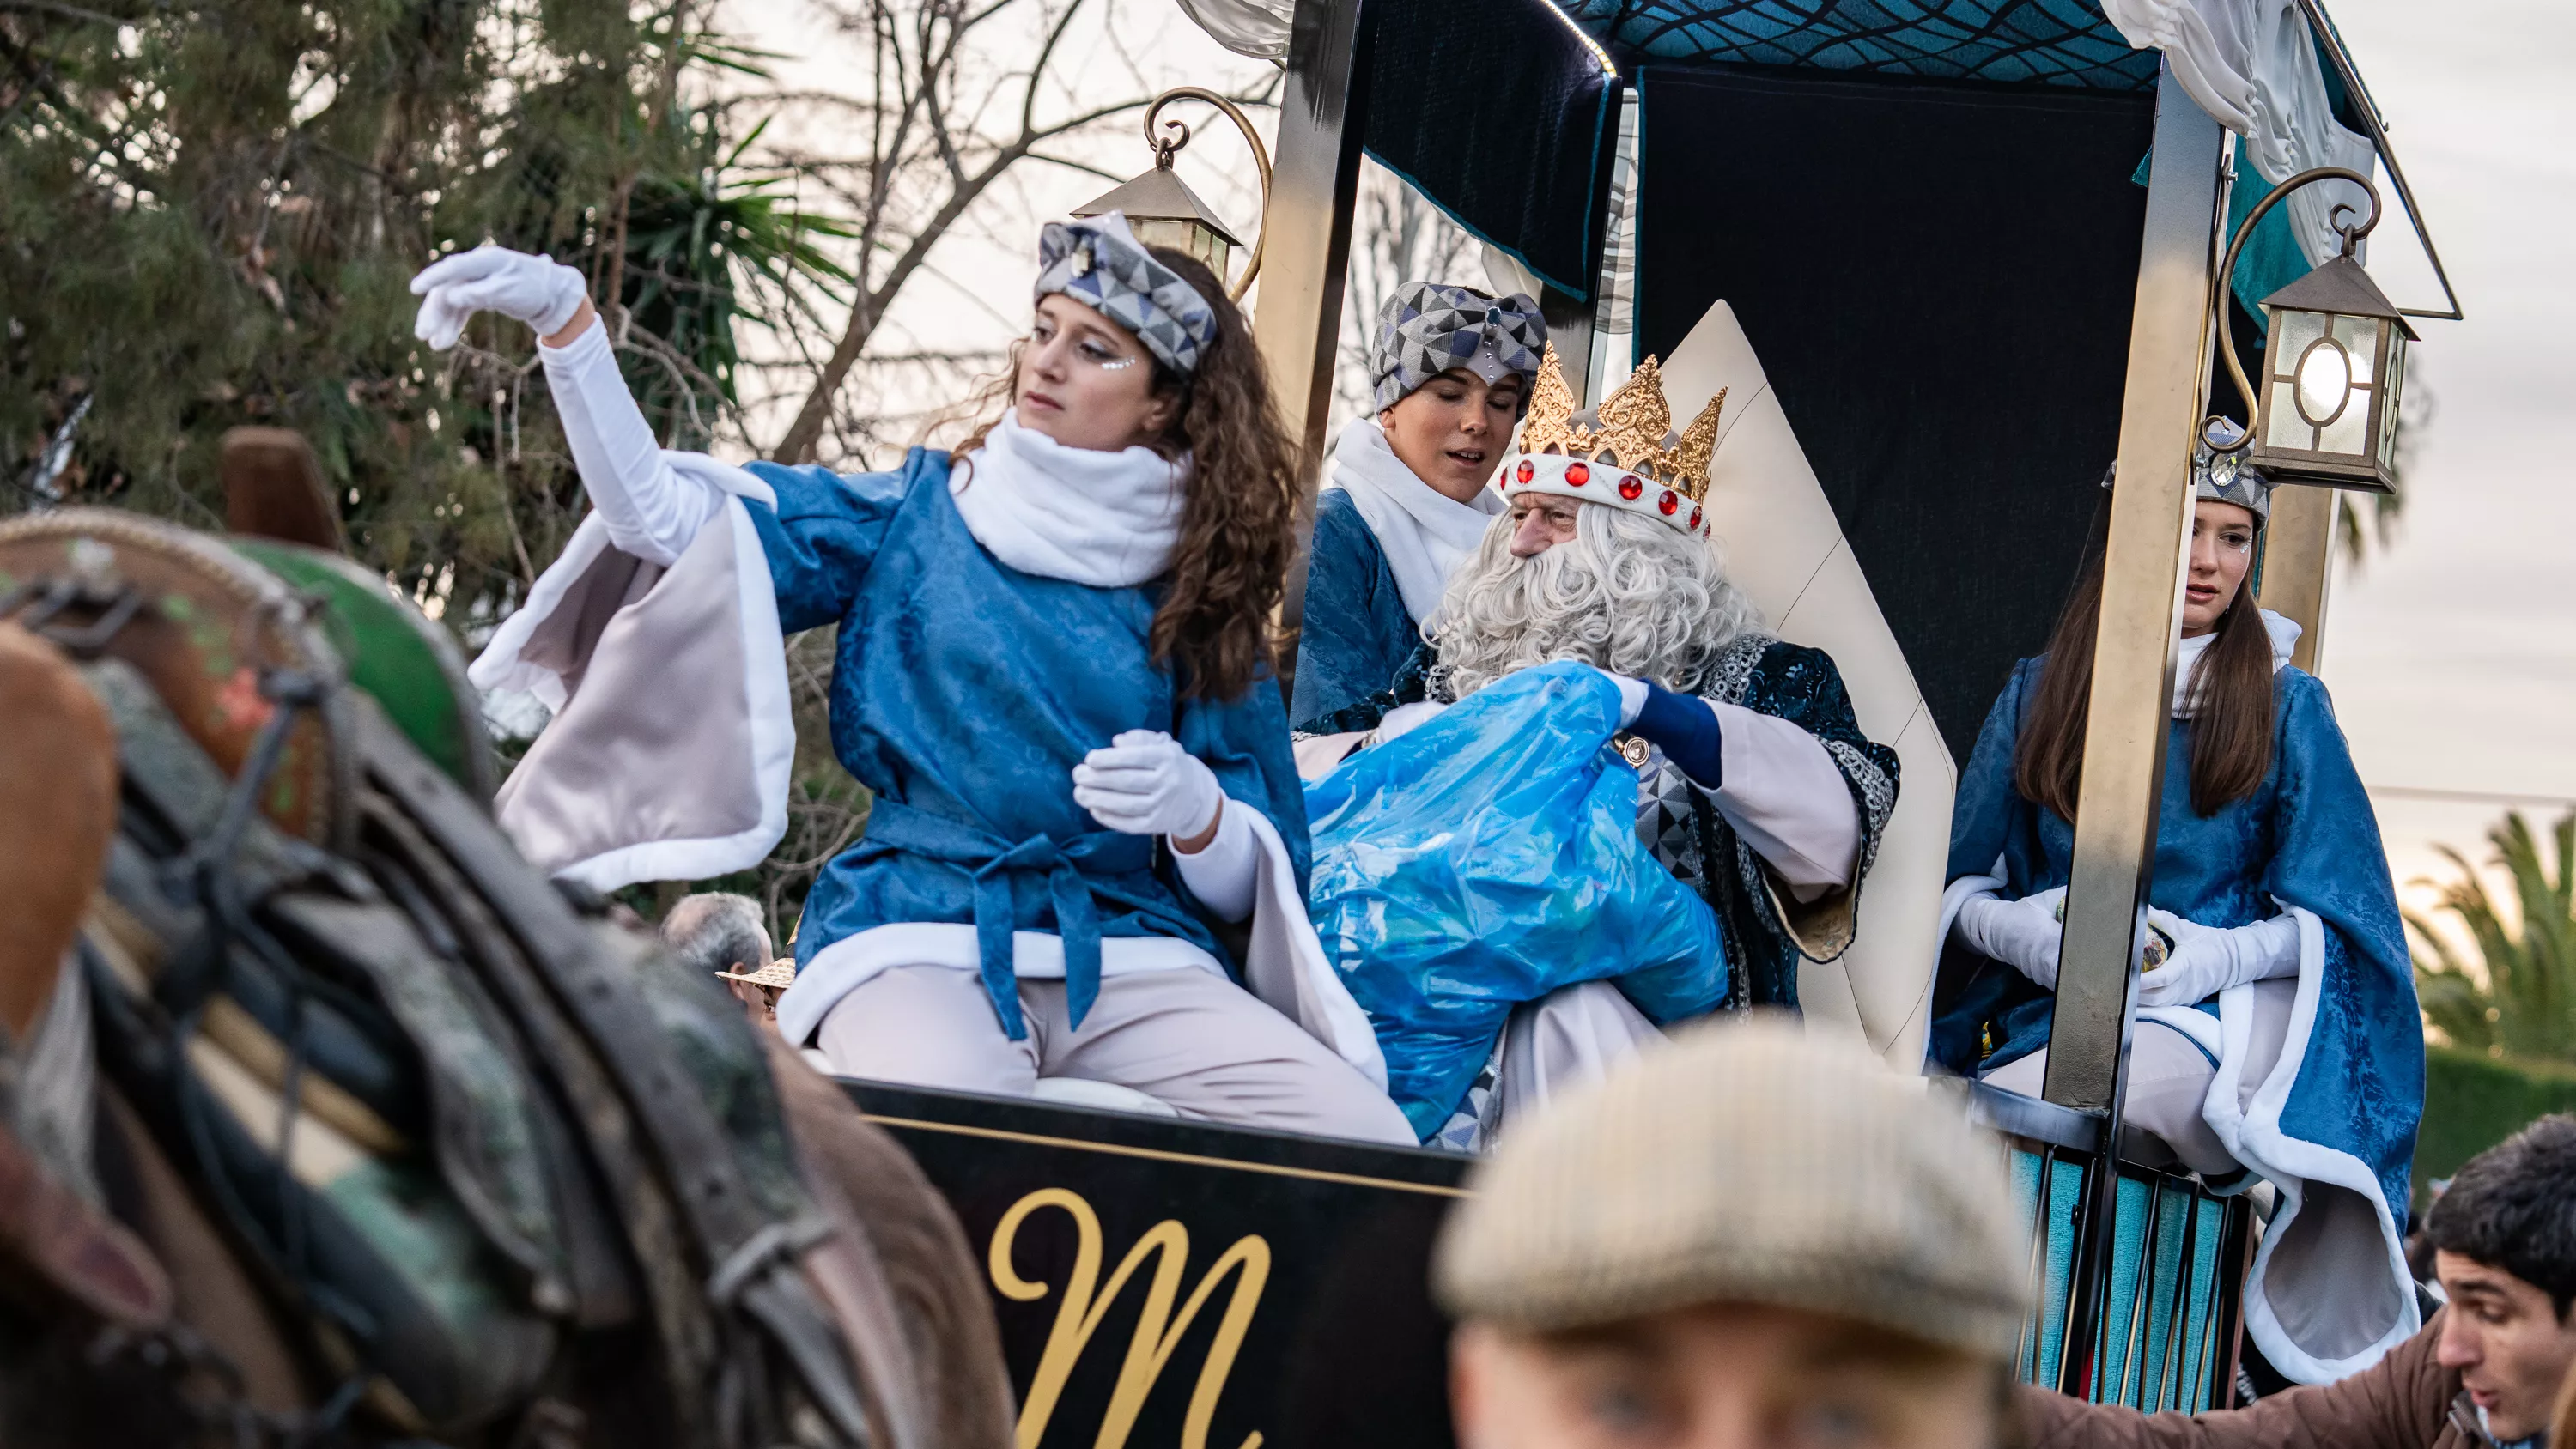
point(1146, 784)
point(2023, 934)
point(1632, 697)
point(2207, 960)
point(536, 290)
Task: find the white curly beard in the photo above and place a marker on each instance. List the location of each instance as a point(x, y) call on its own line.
point(1629, 594)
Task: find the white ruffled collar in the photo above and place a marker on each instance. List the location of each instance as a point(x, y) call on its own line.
point(1109, 520)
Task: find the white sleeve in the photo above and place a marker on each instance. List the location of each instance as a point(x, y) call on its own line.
point(1784, 795)
point(1223, 875)
point(651, 509)
point(2272, 947)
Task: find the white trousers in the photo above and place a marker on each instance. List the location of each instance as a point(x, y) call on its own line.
point(1565, 1039)
point(2169, 1078)
point(1186, 1037)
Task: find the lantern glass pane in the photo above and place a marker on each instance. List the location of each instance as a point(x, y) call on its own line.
point(2292, 334)
point(2349, 433)
point(2360, 338)
point(2391, 394)
point(2325, 384)
point(2282, 425)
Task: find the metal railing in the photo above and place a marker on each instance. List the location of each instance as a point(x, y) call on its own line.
point(2167, 1313)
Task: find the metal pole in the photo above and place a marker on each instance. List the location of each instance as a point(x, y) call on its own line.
point(2298, 561)
point(1307, 242)
point(2133, 660)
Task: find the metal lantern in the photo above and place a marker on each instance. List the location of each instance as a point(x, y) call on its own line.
point(2332, 368)
point(1162, 210)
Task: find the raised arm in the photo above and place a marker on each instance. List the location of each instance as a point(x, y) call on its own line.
point(652, 502)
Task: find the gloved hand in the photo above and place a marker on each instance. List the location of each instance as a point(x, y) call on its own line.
point(2207, 960)
point(1146, 784)
point(536, 290)
point(2023, 934)
point(1632, 697)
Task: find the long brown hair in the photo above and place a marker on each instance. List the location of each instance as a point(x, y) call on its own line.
point(1213, 628)
point(2231, 724)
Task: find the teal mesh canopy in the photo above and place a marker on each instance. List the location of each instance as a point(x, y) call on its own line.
point(2017, 42)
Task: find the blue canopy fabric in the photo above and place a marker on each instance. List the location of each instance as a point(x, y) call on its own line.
point(2015, 42)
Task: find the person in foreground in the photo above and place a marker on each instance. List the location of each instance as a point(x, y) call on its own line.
point(1755, 787)
point(2277, 1026)
point(2482, 1374)
point(1054, 675)
point(1406, 502)
point(1749, 1239)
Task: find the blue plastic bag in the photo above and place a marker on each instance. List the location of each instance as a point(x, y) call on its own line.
point(1487, 858)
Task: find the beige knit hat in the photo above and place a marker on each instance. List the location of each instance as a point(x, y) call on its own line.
point(1746, 1163)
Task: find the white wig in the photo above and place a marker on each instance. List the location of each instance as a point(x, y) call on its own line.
point(1631, 594)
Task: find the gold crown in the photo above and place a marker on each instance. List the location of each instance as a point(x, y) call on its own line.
point(1635, 421)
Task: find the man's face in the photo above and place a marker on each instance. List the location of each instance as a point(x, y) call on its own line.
point(2508, 1342)
point(1541, 521)
point(1723, 1376)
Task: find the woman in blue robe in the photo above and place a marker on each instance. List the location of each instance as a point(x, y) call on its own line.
point(1052, 673)
point(2277, 1034)
point(1406, 503)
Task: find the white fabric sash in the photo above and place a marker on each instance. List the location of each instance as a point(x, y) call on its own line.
point(1426, 534)
point(2285, 639)
point(1108, 520)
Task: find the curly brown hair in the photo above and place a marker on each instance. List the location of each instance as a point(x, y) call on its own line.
point(1214, 627)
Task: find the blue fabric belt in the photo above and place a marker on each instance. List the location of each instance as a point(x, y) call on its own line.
point(996, 864)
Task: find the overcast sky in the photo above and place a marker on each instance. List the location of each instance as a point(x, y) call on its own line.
point(2452, 654)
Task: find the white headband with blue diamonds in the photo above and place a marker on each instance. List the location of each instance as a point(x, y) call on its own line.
point(1098, 262)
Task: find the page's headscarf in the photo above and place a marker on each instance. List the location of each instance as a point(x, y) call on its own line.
point(1427, 328)
point(1098, 262)
point(2220, 476)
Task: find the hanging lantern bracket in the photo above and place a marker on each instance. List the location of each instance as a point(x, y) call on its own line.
point(1170, 136)
point(2352, 235)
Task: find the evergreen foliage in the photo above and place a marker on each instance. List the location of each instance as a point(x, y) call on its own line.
point(210, 214)
point(2519, 999)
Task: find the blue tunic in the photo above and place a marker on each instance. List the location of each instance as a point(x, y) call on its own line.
point(963, 694)
point(1360, 654)
point(2306, 836)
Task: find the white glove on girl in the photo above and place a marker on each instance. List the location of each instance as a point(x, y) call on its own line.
point(536, 290)
point(1146, 784)
point(2207, 960)
point(2023, 933)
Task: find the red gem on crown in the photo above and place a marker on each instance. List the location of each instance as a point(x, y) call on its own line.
point(1630, 485)
point(1668, 503)
point(1525, 470)
point(1577, 474)
point(1694, 518)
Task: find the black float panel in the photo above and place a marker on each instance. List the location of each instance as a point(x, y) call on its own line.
point(1938, 278)
point(1341, 1346)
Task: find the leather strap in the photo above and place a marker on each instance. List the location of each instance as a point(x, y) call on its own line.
point(81, 1254)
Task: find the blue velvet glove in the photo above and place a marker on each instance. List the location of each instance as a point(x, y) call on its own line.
point(1686, 730)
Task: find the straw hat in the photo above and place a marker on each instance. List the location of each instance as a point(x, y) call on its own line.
point(780, 973)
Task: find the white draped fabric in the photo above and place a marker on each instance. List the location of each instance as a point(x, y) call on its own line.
point(2252, 65)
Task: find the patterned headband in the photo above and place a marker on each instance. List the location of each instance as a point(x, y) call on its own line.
point(2220, 476)
point(1427, 328)
point(1098, 262)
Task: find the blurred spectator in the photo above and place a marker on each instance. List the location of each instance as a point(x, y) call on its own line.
point(758, 990)
point(2484, 1373)
point(726, 936)
point(1746, 1239)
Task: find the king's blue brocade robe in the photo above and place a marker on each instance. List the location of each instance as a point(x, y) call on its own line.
point(966, 691)
point(2306, 836)
point(1766, 928)
point(1359, 654)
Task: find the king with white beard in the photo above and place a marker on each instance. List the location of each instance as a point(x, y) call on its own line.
point(1755, 785)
